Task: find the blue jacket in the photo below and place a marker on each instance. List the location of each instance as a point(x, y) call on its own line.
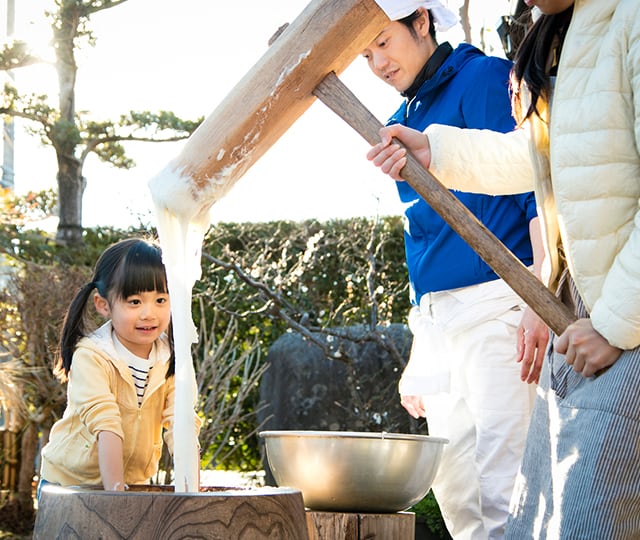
point(469, 90)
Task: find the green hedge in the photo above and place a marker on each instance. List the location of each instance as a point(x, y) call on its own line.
point(263, 278)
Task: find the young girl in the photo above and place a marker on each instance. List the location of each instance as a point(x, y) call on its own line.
point(120, 377)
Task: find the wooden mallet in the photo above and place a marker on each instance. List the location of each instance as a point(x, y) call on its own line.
point(301, 65)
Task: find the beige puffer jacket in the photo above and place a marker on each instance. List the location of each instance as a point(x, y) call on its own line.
point(594, 159)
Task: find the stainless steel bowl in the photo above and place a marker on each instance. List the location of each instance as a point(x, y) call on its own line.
point(352, 471)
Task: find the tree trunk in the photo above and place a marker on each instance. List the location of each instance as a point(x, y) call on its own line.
point(71, 186)
point(64, 134)
point(464, 21)
point(28, 453)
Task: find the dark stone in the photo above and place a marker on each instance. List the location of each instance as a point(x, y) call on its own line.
point(303, 389)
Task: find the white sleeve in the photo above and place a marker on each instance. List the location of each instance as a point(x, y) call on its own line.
point(481, 160)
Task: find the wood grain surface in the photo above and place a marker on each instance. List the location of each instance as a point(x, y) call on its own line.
point(147, 512)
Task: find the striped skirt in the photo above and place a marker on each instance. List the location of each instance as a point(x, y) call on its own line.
point(580, 474)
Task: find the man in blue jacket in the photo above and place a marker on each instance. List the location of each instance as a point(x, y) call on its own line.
point(470, 329)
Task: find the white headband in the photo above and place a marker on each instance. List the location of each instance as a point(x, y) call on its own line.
point(443, 17)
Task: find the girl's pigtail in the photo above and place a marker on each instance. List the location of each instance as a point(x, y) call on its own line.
point(172, 359)
point(74, 327)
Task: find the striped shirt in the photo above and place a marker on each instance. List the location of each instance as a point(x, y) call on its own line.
point(139, 367)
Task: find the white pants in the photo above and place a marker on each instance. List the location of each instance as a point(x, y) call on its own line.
point(483, 409)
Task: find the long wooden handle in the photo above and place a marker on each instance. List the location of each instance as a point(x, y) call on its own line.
point(333, 93)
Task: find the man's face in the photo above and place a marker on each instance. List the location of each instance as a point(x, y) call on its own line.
point(397, 56)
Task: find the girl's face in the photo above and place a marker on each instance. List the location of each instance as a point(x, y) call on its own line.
point(550, 7)
point(396, 56)
point(137, 320)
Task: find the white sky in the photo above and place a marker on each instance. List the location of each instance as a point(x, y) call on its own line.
point(186, 56)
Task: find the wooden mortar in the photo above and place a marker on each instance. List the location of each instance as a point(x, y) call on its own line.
point(146, 512)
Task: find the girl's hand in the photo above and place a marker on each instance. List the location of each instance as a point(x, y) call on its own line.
point(414, 406)
point(110, 461)
point(392, 157)
point(585, 349)
point(533, 337)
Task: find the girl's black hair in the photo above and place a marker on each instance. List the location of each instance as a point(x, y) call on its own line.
point(410, 19)
point(536, 61)
point(125, 268)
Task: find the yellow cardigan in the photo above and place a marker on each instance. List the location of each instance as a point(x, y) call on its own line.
point(101, 397)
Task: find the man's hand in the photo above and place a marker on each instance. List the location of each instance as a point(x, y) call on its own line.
point(414, 406)
point(533, 337)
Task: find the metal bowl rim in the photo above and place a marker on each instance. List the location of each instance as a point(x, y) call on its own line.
point(380, 435)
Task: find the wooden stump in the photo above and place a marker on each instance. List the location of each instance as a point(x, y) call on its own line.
point(349, 526)
point(146, 512)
